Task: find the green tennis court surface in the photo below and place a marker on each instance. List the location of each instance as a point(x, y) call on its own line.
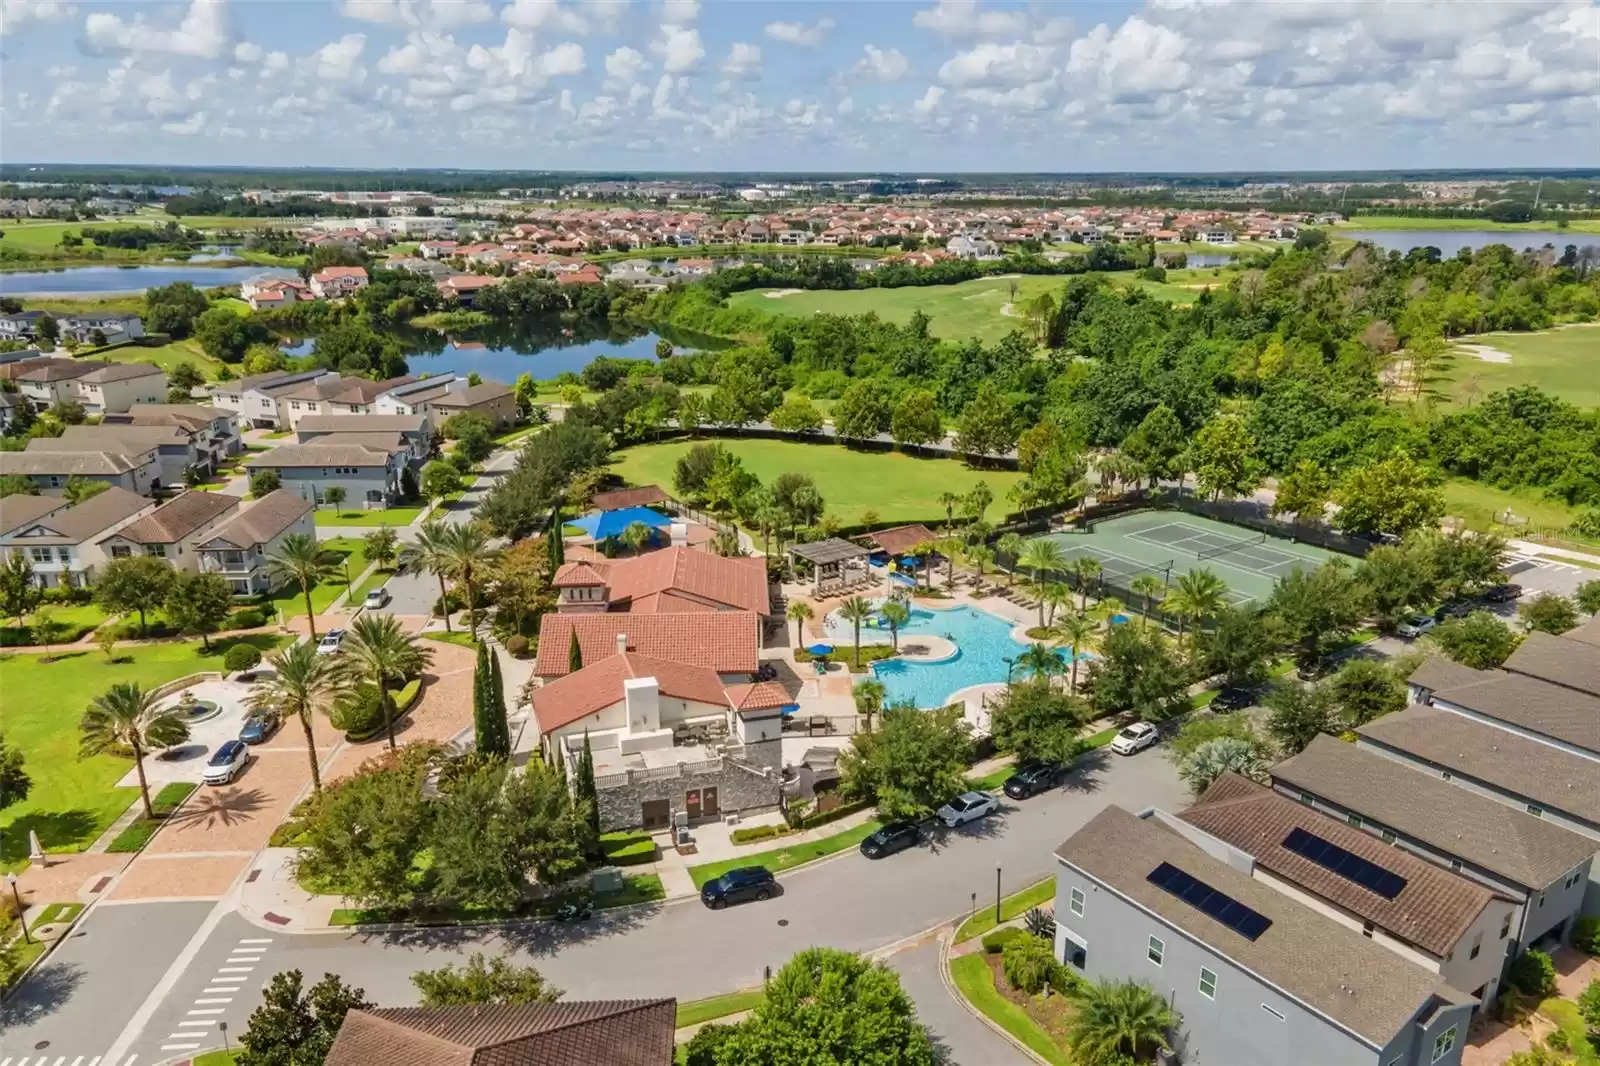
point(1168, 544)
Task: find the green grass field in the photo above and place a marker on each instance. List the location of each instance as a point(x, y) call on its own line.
point(72, 800)
point(898, 487)
point(975, 981)
point(353, 559)
point(1562, 362)
point(166, 356)
point(1483, 507)
point(1578, 225)
point(970, 309)
point(394, 517)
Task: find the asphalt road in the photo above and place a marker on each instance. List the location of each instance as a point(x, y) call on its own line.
point(680, 949)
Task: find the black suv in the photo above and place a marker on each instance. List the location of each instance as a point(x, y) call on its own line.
point(736, 886)
point(1233, 699)
point(1502, 593)
point(896, 836)
point(1033, 778)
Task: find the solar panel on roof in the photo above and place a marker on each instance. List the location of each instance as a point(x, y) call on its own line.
point(1208, 901)
point(1352, 867)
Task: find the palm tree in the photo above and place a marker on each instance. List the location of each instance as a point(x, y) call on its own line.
point(302, 561)
point(949, 501)
point(636, 536)
point(1194, 597)
point(126, 716)
point(377, 651)
point(1041, 661)
point(431, 552)
point(466, 549)
point(1084, 571)
point(980, 558)
point(726, 543)
point(1118, 1020)
point(895, 614)
point(856, 610)
point(1010, 545)
point(1147, 587)
point(949, 547)
point(1054, 595)
point(869, 696)
point(800, 613)
point(924, 550)
point(1077, 632)
point(1108, 609)
point(300, 682)
point(977, 502)
point(1040, 556)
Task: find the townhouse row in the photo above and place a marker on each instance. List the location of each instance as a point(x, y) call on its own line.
point(101, 388)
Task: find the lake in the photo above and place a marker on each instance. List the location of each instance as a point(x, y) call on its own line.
point(534, 346)
point(107, 280)
point(1449, 242)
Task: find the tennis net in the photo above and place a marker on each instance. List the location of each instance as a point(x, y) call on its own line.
point(1211, 553)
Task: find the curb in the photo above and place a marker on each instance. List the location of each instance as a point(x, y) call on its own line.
point(955, 994)
point(20, 979)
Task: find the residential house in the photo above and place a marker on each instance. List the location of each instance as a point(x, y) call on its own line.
point(330, 283)
point(415, 430)
point(51, 470)
point(629, 1032)
point(174, 446)
point(1216, 235)
point(19, 355)
point(669, 581)
point(44, 383)
point(62, 544)
point(332, 394)
point(20, 325)
point(794, 238)
point(169, 531)
point(447, 394)
point(727, 642)
point(971, 246)
point(369, 472)
point(100, 327)
point(213, 430)
point(274, 293)
point(1259, 978)
point(254, 399)
point(20, 510)
point(238, 549)
point(1540, 865)
point(1457, 928)
point(114, 387)
point(9, 403)
point(464, 288)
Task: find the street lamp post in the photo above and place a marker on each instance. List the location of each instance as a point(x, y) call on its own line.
point(997, 895)
point(22, 915)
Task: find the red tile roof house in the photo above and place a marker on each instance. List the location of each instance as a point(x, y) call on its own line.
point(669, 581)
point(333, 282)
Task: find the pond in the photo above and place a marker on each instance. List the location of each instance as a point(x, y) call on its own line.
point(542, 347)
point(109, 280)
point(1449, 242)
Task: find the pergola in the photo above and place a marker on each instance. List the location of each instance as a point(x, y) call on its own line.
point(837, 565)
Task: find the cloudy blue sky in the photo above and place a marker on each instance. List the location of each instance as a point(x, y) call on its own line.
point(950, 85)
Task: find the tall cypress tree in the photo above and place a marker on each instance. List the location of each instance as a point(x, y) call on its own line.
point(574, 653)
point(488, 718)
point(586, 789)
point(496, 731)
point(555, 547)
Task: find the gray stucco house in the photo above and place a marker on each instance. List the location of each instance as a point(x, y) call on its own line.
point(1258, 978)
point(369, 469)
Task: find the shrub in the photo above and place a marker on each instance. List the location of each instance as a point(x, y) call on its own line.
point(358, 713)
point(1557, 1041)
point(1534, 974)
point(757, 832)
point(517, 645)
point(995, 942)
point(627, 849)
point(248, 618)
point(1586, 935)
point(844, 810)
point(1029, 963)
point(241, 657)
point(701, 1050)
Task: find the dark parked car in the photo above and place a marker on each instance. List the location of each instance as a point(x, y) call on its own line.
point(1313, 671)
point(1033, 778)
point(1454, 609)
point(737, 886)
point(1234, 699)
point(258, 728)
point(896, 836)
point(1502, 593)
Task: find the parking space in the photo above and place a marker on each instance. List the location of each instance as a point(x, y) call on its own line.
point(238, 816)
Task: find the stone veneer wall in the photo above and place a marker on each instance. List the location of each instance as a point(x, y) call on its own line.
point(738, 788)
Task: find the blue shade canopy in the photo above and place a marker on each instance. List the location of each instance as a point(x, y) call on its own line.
point(611, 523)
point(820, 649)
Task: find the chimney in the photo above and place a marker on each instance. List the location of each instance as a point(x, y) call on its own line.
point(456, 385)
point(622, 643)
point(641, 697)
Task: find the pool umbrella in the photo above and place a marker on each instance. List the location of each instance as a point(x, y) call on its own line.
point(820, 649)
point(788, 709)
point(606, 524)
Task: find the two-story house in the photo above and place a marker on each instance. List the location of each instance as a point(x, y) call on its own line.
point(254, 399)
point(330, 283)
point(169, 531)
point(174, 447)
point(369, 471)
point(47, 382)
point(1258, 978)
point(63, 545)
point(115, 387)
point(415, 430)
point(50, 470)
point(239, 547)
point(440, 397)
point(669, 581)
point(213, 430)
point(100, 327)
point(333, 394)
point(20, 325)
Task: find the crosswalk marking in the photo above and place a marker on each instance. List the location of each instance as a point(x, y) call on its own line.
point(244, 958)
point(248, 940)
point(207, 1010)
point(230, 978)
point(203, 1025)
point(251, 947)
point(217, 999)
point(208, 991)
point(235, 969)
point(180, 1047)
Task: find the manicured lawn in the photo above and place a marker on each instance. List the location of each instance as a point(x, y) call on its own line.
point(74, 619)
point(992, 780)
point(1012, 906)
point(1483, 506)
point(392, 516)
point(1359, 222)
point(166, 356)
point(1566, 1015)
point(779, 859)
point(456, 637)
point(706, 1010)
point(975, 981)
point(354, 555)
point(164, 803)
point(899, 487)
point(73, 800)
point(57, 912)
point(1559, 361)
point(215, 1058)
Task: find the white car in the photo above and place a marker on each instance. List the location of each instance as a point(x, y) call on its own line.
point(330, 642)
point(1417, 625)
point(1135, 738)
point(378, 597)
point(226, 762)
point(968, 807)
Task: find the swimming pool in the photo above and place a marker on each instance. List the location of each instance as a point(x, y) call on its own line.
point(984, 643)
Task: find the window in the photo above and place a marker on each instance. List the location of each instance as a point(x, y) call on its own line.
point(1275, 1013)
point(1573, 878)
point(1455, 864)
point(1536, 810)
point(1445, 1044)
point(1505, 926)
point(1541, 901)
point(1477, 946)
point(40, 555)
point(120, 551)
point(64, 554)
point(1208, 983)
point(1354, 820)
point(1156, 950)
point(158, 551)
point(1075, 902)
point(1366, 930)
point(1307, 798)
point(1388, 837)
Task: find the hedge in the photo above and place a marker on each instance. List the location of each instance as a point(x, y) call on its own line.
point(844, 810)
point(758, 832)
point(362, 718)
point(628, 849)
point(994, 943)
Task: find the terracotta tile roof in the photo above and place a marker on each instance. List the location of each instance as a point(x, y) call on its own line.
point(635, 1032)
point(901, 539)
point(1433, 911)
point(1504, 840)
point(263, 520)
point(761, 696)
point(726, 641)
point(669, 603)
point(581, 574)
point(1540, 772)
point(1362, 986)
point(731, 582)
point(1557, 660)
point(621, 499)
point(599, 685)
point(180, 517)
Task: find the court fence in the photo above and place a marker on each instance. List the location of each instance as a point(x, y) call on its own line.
point(1252, 514)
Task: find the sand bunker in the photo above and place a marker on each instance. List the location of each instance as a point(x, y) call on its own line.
point(778, 294)
point(1484, 353)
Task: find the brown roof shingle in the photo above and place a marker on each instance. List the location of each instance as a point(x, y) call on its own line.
point(637, 1032)
point(263, 520)
point(724, 641)
point(621, 499)
point(1557, 660)
point(1433, 911)
point(1550, 710)
point(180, 517)
point(287, 456)
point(901, 539)
point(82, 521)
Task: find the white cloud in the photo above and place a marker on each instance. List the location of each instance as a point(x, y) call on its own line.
point(744, 60)
point(543, 14)
point(605, 14)
point(966, 18)
point(423, 52)
point(625, 64)
point(17, 14)
point(798, 33)
point(680, 12)
point(882, 64)
point(663, 92)
point(679, 48)
point(340, 60)
point(203, 33)
point(1139, 60)
point(189, 127)
point(430, 14)
point(990, 63)
point(929, 102)
point(245, 52)
point(846, 106)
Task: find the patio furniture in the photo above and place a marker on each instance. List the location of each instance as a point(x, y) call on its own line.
point(821, 724)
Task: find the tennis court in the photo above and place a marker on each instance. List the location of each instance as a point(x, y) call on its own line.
point(1169, 544)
